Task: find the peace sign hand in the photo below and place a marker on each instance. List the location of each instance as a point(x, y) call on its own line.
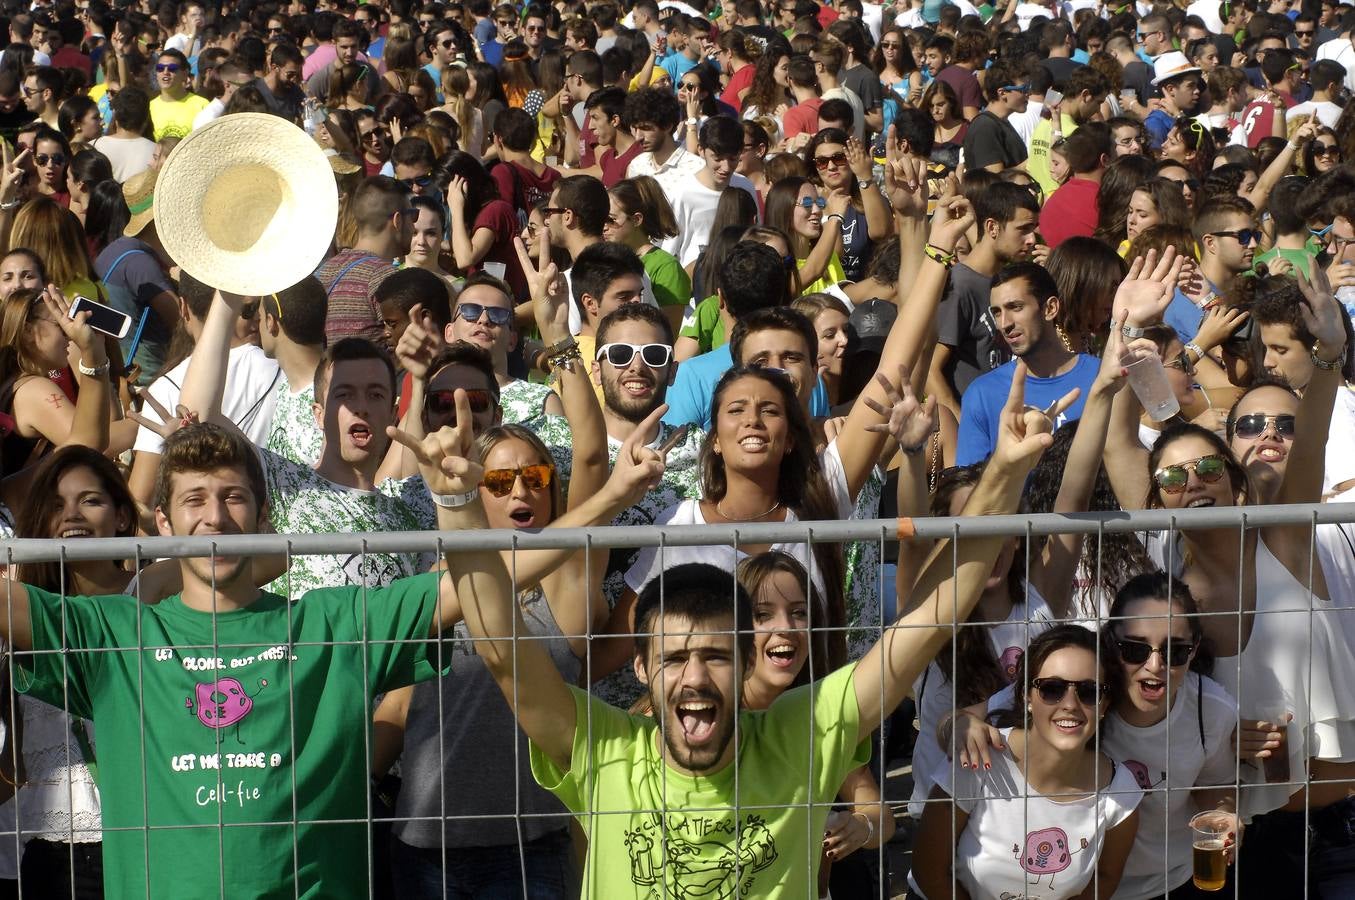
point(12, 177)
point(638, 467)
point(550, 297)
point(445, 456)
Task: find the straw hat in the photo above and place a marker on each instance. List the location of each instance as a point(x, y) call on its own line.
point(247, 204)
point(139, 192)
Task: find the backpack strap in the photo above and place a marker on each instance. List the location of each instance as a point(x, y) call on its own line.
point(345, 270)
point(126, 253)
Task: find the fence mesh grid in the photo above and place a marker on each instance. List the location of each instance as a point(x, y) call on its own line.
point(663, 853)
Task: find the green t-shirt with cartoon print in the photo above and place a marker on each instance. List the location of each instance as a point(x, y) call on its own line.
point(655, 833)
point(200, 724)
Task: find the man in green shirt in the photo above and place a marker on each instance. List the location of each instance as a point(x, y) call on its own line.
point(705, 799)
point(231, 724)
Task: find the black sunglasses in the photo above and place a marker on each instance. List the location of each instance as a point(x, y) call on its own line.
point(1254, 425)
point(1053, 690)
point(1136, 653)
point(472, 312)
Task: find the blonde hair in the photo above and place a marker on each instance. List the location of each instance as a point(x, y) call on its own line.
point(17, 356)
point(455, 84)
point(55, 235)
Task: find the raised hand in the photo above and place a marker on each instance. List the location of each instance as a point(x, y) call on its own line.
point(905, 181)
point(417, 346)
point(1024, 432)
point(953, 218)
point(909, 422)
point(638, 467)
point(1110, 378)
point(168, 424)
point(445, 456)
point(861, 164)
point(1218, 325)
point(1146, 292)
point(13, 173)
point(77, 330)
point(1321, 314)
point(550, 296)
point(456, 194)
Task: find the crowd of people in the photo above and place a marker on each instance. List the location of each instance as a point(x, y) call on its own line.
point(679, 263)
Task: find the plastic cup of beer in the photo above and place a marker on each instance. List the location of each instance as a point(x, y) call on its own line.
point(497, 269)
point(1209, 837)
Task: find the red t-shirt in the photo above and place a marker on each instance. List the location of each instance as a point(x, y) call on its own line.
point(498, 216)
point(802, 117)
point(522, 187)
point(1258, 119)
point(614, 166)
point(827, 16)
point(1070, 211)
point(741, 79)
point(965, 84)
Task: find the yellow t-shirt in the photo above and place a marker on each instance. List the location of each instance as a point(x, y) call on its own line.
point(588, 348)
point(174, 118)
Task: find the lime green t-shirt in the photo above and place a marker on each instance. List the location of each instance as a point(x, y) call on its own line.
point(672, 284)
point(174, 118)
point(1037, 157)
point(654, 832)
point(231, 719)
point(707, 326)
point(833, 274)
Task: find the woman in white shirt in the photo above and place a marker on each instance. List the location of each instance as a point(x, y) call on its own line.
point(1280, 653)
point(1054, 814)
point(1172, 729)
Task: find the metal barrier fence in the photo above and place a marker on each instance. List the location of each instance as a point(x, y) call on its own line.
point(681, 865)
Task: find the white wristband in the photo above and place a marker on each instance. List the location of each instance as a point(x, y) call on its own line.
point(454, 501)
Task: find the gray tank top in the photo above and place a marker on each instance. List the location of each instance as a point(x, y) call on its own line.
point(470, 770)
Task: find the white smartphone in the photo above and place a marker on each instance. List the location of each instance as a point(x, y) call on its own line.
point(102, 318)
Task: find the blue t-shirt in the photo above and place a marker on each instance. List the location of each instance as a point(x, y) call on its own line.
point(486, 30)
point(1159, 125)
point(693, 390)
point(1183, 315)
point(981, 405)
point(676, 66)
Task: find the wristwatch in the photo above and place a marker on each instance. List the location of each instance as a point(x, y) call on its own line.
point(1319, 362)
point(691, 120)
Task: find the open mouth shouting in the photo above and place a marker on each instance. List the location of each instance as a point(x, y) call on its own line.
point(697, 718)
point(360, 435)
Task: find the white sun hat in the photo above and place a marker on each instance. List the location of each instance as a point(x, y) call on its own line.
point(247, 204)
point(1171, 65)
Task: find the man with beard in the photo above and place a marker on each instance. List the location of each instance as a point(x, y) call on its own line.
point(634, 367)
point(705, 798)
point(345, 490)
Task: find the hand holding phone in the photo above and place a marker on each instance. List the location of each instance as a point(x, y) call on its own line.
point(102, 318)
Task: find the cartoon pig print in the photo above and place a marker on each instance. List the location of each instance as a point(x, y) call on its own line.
point(1046, 853)
point(1141, 774)
point(1008, 662)
point(223, 703)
